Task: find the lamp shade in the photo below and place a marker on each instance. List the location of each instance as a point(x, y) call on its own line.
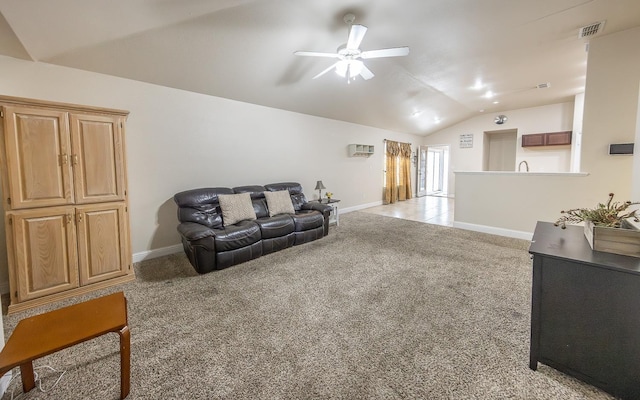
point(319, 185)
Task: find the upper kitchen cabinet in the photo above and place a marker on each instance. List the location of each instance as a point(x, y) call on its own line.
point(547, 139)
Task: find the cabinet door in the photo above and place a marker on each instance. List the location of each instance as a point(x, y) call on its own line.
point(558, 138)
point(98, 158)
point(102, 242)
point(44, 251)
point(534, 139)
point(37, 157)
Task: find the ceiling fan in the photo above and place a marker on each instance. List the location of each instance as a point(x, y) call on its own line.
point(350, 64)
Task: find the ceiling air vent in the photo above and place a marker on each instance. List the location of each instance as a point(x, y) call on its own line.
point(591, 30)
point(543, 85)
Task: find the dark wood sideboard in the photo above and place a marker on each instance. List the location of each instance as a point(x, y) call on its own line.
point(585, 311)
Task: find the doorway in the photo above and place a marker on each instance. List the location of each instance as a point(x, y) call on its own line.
point(433, 171)
point(500, 150)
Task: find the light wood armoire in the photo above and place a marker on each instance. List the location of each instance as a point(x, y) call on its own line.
point(64, 187)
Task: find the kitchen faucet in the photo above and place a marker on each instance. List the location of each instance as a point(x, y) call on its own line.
point(526, 164)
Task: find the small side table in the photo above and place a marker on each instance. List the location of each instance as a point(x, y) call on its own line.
point(334, 218)
point(43, 334)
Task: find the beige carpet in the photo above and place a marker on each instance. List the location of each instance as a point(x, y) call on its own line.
point(382, 308)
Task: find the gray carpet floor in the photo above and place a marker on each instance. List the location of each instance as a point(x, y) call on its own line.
point(382, 308)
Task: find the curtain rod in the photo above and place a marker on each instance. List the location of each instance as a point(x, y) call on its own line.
point(389, 140)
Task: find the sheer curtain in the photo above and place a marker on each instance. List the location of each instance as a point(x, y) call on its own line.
point(398, 173)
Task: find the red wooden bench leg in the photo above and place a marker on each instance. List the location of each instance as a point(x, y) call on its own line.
point(26, 373)
point(125, 361)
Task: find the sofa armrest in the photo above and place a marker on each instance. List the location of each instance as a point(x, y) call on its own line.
point(193, 231)
point(325, 209)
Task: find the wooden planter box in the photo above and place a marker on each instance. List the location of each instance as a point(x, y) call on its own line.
point(625, 240)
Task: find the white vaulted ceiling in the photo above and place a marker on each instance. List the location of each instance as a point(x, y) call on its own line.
point(243, 50)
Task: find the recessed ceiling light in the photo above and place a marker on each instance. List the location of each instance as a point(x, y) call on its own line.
point(489, 94)
point(478, 85)
point(416, 113)
point(496, 102)
point(437, 120)
point(481, 110)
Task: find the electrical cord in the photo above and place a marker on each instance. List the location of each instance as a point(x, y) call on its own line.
point(38, 380)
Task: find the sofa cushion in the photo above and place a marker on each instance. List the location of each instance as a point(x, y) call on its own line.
point(307, 219)
point(257, 198)
point(260, 207)
point(294, 189)
point(201, 206)
point(279, 225)
point(236, 208)
point(279, 203)
point(242, 234)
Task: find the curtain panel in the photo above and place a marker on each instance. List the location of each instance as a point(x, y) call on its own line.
point(404, 186)
point(398, 172)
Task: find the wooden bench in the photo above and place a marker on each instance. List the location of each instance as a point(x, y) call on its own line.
point(44, 334)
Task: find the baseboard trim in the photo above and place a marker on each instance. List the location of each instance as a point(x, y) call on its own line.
point(360, 207)
point(494, 230)
point(155, 253)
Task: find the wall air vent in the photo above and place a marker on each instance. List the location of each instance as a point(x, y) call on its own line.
point(621, 148)
point(591, 30)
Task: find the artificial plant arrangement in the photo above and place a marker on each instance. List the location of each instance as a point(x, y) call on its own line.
point(611, 215)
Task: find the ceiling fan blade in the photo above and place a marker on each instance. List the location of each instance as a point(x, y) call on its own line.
point(366, 73)
point(326, 70)
point(355, 36)
point(392, 52)
point(315, 54)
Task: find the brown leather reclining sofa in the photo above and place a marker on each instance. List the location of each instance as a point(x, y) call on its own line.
point(210, 244)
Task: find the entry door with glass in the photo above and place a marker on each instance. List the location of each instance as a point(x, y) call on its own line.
point(435, 166)
point(422, 171)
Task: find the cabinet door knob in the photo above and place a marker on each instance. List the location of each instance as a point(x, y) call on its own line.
point(80, 217)
point(74, 159)
point(63, 159)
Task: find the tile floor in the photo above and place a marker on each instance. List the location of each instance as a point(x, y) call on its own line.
point(430, 209)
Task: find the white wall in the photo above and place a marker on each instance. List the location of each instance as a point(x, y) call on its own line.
point(511, 204)
point(550, 118)
point(178, 140)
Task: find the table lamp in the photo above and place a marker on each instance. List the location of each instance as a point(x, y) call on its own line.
point(319, 187)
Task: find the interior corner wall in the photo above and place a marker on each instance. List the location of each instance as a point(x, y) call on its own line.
point(576, 137)
point(178, 140)
point(635, 185)
point(549, 118)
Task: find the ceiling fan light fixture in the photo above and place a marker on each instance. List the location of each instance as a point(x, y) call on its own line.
point(350, 68)
point(342, 67)
point(355, 68)
point(350, 58)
